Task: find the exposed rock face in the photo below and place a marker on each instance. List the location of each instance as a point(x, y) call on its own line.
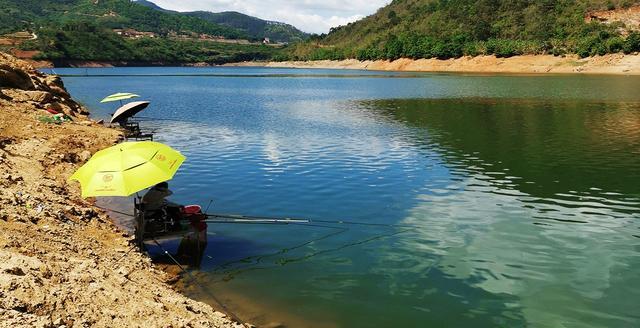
point(629, 17)
point(20, 82)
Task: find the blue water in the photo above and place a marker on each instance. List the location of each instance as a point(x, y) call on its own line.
point(521, 192)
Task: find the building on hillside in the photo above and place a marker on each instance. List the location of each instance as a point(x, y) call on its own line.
point(133, 34)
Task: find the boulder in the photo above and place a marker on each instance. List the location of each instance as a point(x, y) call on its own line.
point(55, 85)
point(14, 78)
point(42, 97)
point(15, 95)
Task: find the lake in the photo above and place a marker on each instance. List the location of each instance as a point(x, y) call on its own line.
point(504, 200)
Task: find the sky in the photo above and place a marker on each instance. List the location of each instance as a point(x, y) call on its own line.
point(312, 16)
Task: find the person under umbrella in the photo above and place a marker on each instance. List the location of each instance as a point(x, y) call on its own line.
point(155, 202)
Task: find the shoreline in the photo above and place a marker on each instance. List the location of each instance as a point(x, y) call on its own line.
point(617, 64)
point(63, 261)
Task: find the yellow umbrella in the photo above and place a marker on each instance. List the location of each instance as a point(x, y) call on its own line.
point(127, 168)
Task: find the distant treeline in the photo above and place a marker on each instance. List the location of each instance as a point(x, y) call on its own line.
point(88, 41)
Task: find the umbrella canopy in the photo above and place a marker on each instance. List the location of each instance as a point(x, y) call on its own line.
point(119, 96)
point(127, 168)
point(128, 110)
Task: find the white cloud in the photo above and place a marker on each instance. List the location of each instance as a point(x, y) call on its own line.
point(314, 16)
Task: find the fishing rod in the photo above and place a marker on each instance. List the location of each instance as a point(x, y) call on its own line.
point(148, 119)
point(249, 219)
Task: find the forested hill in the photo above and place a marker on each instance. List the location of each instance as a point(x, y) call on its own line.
point(453, 28)
point(28, 14)
point(254, 27)
point(275, 31)
point(121, 30)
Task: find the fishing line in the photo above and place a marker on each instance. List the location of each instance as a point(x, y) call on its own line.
point(231, 274)
point(114, 211)
point(226, 310)
point(125, 254)
point(259, 257)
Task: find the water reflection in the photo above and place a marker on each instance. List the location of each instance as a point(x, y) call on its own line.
point(545, 209)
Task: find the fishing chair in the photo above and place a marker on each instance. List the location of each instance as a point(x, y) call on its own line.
point(132, 131)
point(150, 223)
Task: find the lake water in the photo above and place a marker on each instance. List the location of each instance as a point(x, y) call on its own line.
point(516, 198)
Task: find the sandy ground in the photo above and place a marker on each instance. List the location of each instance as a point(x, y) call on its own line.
point(62, 262)
point(529, 64)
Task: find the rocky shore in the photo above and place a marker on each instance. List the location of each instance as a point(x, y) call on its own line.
point(62, 262)
point(526, 64)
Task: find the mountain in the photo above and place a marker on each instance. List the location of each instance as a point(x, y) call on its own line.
point(123, 31)
point(254, 27)
point(17, 14)
point(153, 6)
point(453, 28)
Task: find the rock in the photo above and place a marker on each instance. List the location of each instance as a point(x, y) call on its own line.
point(38, 97)
point(55, 85)
point(84, 156)
point(11, 77)
point(16, 271)
point(16, 95)
point(42, 97)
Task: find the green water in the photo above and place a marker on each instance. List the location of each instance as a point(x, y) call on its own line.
point(515, 198)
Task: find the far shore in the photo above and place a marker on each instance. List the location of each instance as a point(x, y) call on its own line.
point(527, 64)
point(619, 64)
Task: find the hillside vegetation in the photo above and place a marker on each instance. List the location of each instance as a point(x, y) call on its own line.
point(255, 28)
point(84, 30)
point(27, 14)
point(454, 28)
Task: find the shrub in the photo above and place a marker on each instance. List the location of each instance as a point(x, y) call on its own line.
point(632, 43)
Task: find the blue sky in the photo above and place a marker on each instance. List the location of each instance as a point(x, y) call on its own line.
point(313, 16)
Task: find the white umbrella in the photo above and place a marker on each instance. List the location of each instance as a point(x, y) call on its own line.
point(128, 110)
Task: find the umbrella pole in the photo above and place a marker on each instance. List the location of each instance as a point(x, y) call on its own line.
point(138, 213)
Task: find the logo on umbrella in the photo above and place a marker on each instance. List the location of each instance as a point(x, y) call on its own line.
point(161, 157)
point(107, 178)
